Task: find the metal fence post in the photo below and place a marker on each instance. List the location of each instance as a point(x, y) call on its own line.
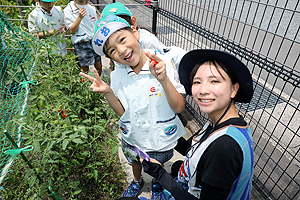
point(154, 19)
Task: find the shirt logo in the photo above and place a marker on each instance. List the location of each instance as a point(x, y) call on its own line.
point(170, 130)
point(152, 89)
point(124, 129)
point(59, 20)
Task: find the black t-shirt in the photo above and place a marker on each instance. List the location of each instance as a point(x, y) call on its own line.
point(220, 164)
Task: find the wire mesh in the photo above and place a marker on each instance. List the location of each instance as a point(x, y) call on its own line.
point(14, 55)
point(264, 34)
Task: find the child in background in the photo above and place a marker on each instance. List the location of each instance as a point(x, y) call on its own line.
point(80, 19)
point(146, 39)
point(46, 18)
point(145, 96)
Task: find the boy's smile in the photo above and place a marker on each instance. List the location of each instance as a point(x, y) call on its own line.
point(123, 47)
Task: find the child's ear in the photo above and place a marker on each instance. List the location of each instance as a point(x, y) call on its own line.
point(135, 33)
point(133, 20)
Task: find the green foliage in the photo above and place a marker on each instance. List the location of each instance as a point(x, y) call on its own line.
point(10, 12)
point(71, 130)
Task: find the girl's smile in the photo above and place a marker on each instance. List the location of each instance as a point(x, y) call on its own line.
point(212, 90)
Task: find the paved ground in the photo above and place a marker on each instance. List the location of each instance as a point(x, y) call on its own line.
point(146, 191)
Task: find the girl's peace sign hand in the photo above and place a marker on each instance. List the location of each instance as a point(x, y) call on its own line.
point(98, 84)
point(158, 70)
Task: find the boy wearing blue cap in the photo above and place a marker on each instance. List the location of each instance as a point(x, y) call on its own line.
point(146, 39)
point(80, 18)
point(145, 96)
point(46, 18)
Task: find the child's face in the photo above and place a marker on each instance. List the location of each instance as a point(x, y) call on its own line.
point(212, 90)
point(123, 47)
point(82, 2)
point(47, 6)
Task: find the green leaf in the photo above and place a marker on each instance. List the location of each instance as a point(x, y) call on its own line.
point(77, 141)
point(75, 162)
point(86, 121)
point(96, 174)
point(32, 181)
point(89, 166)
point(32, 97)
point(64, 144)
point(85, 153)
point(114, 149)
point(36, 146)
point(77, 192)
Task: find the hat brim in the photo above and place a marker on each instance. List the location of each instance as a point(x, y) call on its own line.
point(238, 69)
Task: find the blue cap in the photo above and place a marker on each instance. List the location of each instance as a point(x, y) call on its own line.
point(115, 9)
point(103, 30)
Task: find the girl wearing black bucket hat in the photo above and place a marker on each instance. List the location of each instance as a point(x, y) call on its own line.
point(219, 158)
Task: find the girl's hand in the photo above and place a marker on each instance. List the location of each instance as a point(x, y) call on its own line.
point(158, 70)
point(153, 167)
point(98, 84)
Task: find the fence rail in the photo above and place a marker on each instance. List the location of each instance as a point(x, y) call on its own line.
point(265, 36)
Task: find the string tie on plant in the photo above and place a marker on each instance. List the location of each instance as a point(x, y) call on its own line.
point(25, 83)
point(14, 152)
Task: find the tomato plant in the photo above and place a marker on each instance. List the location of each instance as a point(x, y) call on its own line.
point(74, 156)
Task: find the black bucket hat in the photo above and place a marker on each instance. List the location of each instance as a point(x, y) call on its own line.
point(237, 68)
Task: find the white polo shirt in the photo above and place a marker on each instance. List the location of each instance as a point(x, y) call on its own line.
point(39, 20)
point(149, 41)
point(148, 121)
point(85, 31)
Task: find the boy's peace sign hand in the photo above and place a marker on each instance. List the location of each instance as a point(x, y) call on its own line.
point(98, 84)
point(159, 70)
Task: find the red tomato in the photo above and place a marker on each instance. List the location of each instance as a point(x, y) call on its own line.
point(154, 62)
point(83, 79)
point(64, 115)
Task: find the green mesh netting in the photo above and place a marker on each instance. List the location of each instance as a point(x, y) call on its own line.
point(16, 65)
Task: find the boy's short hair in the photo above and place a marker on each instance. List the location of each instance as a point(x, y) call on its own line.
point(115, 9)
point(103, 30)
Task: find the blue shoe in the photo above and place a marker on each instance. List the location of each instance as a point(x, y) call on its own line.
point(157, 191)
point(134, 189)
